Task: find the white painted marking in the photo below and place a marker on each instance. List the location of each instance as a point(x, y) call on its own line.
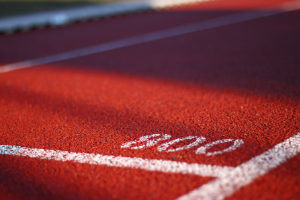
point(144, 139)
point(158, 35)
point(118, 161)
point(201, 150)
point(245, 173)
point(236, 144)
point(164, 146)
point(9, 149)
point(229, 179)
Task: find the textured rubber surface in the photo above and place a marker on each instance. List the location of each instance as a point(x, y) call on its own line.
point(239, 81)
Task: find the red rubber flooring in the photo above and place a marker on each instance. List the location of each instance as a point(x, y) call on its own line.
point(239, 81)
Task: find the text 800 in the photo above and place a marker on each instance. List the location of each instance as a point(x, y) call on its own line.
point(152, 140)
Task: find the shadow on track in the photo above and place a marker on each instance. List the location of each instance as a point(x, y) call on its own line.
point(257, 59)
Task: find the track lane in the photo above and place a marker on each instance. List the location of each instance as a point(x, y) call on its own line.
point(48, 42)
point(102, 106)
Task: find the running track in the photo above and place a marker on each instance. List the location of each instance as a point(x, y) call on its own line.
point(195, 102)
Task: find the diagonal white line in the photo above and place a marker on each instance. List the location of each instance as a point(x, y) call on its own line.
point(118, 161)
point(228, 180)
point(245, 173)
point(158, 35)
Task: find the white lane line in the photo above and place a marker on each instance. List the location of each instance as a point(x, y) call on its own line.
point(245, 173)
point(158, 35)
point(228, 181)
point(118, 161)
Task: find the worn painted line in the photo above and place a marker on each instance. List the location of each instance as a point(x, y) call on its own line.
point(118, 161)
point(228, 179)
point(244, 174)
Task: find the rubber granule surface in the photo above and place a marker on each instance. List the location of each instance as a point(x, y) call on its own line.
point(238, 81)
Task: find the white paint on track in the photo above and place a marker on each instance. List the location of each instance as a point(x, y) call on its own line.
point(146, 138)
point(229, 179)
point(245, 173)
point(158, 35)
point(202, 150)
point(165, 146)
point(118, 161)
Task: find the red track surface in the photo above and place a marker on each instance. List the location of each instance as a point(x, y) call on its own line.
point(238, 81)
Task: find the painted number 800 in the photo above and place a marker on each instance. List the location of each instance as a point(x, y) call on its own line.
point(152, 140)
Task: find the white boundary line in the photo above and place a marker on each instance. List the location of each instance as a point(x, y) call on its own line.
point(245, 173)
point(118, 161)
point(158, 35)
point(228, 180)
